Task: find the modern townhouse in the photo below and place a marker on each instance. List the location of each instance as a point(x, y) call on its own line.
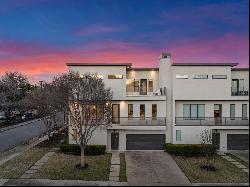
point(173, 103)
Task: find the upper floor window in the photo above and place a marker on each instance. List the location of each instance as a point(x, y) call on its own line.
point(200, 77)
point(115, 76)
point(185, 76)
point(219, 76)
point(150, 85)
point(193, 110)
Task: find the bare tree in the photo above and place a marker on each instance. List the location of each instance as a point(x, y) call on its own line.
point(206, 138)
point(90, 108)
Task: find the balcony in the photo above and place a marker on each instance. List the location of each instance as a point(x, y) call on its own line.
point(237, 92)
point(210, 121)
point(137, 121)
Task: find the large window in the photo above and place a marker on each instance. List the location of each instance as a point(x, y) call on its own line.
point(154, 111)
point(193, 110)
point(115, 76)
point(132, 85)
point(219, 76)
point(244, 111)
point(130, 111)
point(232, 111)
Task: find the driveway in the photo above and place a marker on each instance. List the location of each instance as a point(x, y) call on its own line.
point(153, 168)
point(243, 155)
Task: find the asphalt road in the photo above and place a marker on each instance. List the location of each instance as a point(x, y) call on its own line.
point(16, 136)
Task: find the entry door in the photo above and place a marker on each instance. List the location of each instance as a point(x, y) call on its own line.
point(143, 87)
point(115, 113)
point(218, 113)
point(114, 141)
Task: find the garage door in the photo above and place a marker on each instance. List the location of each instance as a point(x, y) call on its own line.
point(145, 141)
point(238, 141)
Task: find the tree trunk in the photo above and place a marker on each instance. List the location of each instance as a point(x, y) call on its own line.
point(82, 157)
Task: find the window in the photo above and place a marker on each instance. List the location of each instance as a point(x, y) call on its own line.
point(130, 111)
point(136, 86)
point(130, 85)
point(244, 111)
point(142, 112)
point(219, 76)
point(150, 85)
point(193, 110)
point(154, 111)
point(241, 85)
point(115, 76)
point(232, 111)
point(178, 135)
point(182, 76)
point(200, 77)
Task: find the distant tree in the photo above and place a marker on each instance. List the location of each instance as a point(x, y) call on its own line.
point(13, 87)
point(90, 108)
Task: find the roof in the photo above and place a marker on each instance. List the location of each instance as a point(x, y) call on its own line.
point(144, 69)
point(205, 64)
point(240, 69)
point(99, 64)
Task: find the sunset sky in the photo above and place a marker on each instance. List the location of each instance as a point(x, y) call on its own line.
point(37, 37)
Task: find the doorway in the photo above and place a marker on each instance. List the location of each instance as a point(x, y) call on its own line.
point(114, 141)
point(218, 114)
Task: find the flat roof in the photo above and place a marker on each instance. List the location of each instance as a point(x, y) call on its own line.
point(205, 64)
point(144, 69)
point(240, 69)
point(99, 64)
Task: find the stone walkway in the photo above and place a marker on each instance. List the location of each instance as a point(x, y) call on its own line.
point(235, 162)
point(115, 167)
point(33, 169)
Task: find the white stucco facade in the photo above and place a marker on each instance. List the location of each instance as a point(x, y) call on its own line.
point(158, 96)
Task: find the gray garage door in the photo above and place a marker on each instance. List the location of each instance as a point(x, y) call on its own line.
point(238, 141)
point(145, 141)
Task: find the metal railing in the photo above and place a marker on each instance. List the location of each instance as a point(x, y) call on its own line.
point(137, 121)
point(210, 121)
point(237, 92)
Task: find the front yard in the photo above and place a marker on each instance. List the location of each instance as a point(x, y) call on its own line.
point(62, 166)
point(226, 172)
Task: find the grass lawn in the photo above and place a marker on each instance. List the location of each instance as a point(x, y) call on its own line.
point(16, 167)
point(62, 166)
point(122, 176)
point(225, 173)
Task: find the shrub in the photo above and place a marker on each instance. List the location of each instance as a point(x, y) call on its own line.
point(91, 150)
point(190, 150)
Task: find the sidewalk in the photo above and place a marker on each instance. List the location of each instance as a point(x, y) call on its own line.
point(47, 182)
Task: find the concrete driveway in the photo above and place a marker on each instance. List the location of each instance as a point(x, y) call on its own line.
point(153, 168)
point(241, 154)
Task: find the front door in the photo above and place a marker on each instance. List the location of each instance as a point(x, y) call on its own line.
point(143, 87)
point(218, 114)
point(114, 141)
point(115, 113)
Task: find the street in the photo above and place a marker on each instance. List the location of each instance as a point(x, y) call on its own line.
point(16, 136)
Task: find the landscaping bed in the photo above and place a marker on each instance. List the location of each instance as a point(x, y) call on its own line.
point(225, 171)
point(62, 167)
point(123, 175)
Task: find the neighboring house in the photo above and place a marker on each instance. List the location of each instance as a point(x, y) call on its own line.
point(173, 104)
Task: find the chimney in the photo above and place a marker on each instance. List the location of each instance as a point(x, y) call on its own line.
point(165, 56)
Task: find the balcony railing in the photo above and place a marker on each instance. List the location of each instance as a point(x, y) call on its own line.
point(236, 92)
point(210, 121)
point(137, 121)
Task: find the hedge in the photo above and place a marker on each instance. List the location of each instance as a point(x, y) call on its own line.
point(90, 150)
point(190, 149)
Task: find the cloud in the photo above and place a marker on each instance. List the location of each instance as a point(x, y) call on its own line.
point(98, 29)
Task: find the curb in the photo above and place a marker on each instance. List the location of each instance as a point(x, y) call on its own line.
point(220, 184)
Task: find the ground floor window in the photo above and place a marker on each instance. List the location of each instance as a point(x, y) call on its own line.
point(193, 110)
point(178, 135)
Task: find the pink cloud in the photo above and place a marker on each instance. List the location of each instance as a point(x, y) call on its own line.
point(230, 48)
